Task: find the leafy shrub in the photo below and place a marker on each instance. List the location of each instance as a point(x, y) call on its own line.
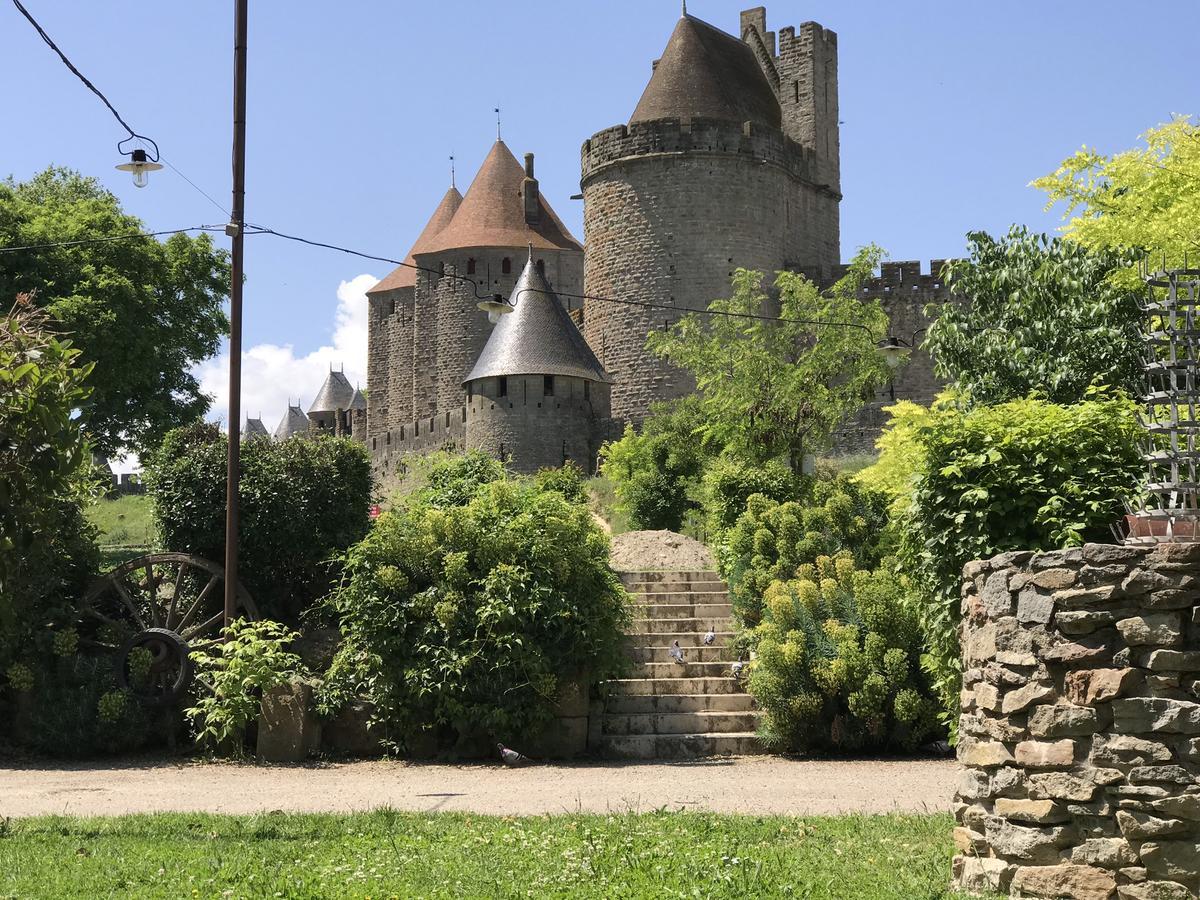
point(303, 501)
point(452, 479)
point(656, 471)
point(569, 480)
point(729, 482)
point(1024, 475)
point(234, 674)
point(771, 540)
point(469, 619)
point(47, 549)
point(838, 662)
point(901, 454)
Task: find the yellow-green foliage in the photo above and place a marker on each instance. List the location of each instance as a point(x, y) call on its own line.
point(1145, 198)
point(901, 455)
point(838, 661)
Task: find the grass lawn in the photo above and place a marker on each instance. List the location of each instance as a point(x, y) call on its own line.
point(391, 854)
point(126, 527)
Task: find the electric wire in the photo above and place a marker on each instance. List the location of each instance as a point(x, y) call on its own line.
point(111, 238)
point(133, 135)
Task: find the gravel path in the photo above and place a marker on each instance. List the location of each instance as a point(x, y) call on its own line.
point(756, 785)
point(656, 551)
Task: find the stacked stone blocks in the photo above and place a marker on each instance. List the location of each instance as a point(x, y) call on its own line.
point(1080, 728)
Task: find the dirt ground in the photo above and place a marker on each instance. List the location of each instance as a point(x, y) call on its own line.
point(652, 551)
point(752, 785)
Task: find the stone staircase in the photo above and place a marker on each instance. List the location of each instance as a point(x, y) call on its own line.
point(672, 711)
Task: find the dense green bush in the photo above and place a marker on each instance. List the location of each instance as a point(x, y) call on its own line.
point(47, 549)
point(1024, 475)
point(453, 479)
point(468, 620)
point(771, 540)
point(569, 480)
point(303, 501)
point(729, 482)
point(656, 471)
point(838, 662)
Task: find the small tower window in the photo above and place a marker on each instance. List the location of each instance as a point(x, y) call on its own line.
point(502, 386)
point(506, 266)
point(587, 390)
point(471, 266)
point(548, 385)
point(541, 267)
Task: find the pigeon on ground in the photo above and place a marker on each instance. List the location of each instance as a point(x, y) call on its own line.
point(512, 758)
point(709, 638)
point(736, 668)
point(676, 652)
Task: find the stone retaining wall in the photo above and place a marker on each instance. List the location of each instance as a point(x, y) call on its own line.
point(1080, 729)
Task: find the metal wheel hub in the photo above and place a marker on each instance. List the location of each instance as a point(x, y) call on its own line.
point(170, 669)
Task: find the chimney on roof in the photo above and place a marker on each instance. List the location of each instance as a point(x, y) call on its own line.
point(529, 190)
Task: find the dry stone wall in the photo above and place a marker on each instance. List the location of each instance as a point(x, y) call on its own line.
point(1079, 737)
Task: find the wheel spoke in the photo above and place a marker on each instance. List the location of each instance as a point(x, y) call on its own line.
point(203, 626)
point(99, 645)
point(128, 601)
point(96, 614)
point(191, 613)
point(175, 596)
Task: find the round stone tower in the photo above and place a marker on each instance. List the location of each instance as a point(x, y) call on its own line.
point(729, 160)
point(537, 396)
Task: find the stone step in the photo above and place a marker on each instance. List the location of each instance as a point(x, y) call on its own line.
point(655, 587)
point(679, 703)
point(661, 686)
point(666, 638)
point(679, 746)
point(720, 613)
point(707, 722)
point(683, 625)
point(658, 577)
point(715, 653)
point(689, 668)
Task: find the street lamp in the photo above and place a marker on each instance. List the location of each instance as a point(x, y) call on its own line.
point(893, 351)
point(495, 308)
point(140, 167)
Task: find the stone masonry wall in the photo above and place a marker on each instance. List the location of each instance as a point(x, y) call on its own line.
point(1080, 729)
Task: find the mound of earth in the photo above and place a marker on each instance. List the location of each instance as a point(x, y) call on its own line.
point(662, 551)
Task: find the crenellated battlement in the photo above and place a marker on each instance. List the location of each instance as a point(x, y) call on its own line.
point(905, 275)
point(758, 143)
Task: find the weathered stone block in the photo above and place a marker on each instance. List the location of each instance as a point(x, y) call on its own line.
point(1045, 754)
point(1035, 606)
point(1172, 859)
point(985, 754)
point(1155, 890)
point(1039, 812)
point(1163, 629)
point(1184, 806)
point(1076, 882)
point(288, 731)
point(1174, 661)
point(1015, 701)
point(1155, 774)
point(1124, 750)
point(968, 841)
point(1062, 720)
point(1135, 715)
point(972, 784)
point(1009, 781)
point(1085, 598)
point(1038, 846)
point(1087, 621)
point(1111, 853)
point(981, 874)
point(995, 596)
point(1088, 687)
point(987, 696)
point(1139, 826)
point(1104, 554)
point(1053, 579)
point(1078, 653)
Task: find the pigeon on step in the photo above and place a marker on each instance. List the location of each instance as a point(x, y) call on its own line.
point(736, 668)
point(512, 758)
point(709, 637)
point(676, 652)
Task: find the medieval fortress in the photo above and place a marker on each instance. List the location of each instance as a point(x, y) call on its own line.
point(730, 159)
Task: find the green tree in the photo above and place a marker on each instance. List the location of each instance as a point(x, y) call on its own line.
point(1042, 315)
point(1144, 199)
point(143, 312)
point(770, 389)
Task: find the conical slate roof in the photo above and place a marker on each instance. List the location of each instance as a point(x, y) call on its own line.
point(358, 401)
point(255, 428)
point(294, 422)
point(492, 213)
point(405, 276)
point(336, 393)
point(537, 337)
point(706, 73)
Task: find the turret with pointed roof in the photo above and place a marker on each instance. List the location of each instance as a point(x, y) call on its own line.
point(294, 422)
point(728, 161)
point(537, 396)
point(255, 429)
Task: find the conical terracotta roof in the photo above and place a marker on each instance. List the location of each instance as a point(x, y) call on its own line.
point(492, 213)
point(405, 276)
point(336, 393)
point(537, 337)
point(708, 74)
point(294, 422)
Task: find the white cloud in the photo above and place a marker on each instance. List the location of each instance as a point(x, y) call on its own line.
point(272, 374)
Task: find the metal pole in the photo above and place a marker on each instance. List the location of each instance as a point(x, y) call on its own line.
point(236, 228)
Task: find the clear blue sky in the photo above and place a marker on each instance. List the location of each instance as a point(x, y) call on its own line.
point(950, 108)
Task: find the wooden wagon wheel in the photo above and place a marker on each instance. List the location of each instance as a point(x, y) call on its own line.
point(164, 604)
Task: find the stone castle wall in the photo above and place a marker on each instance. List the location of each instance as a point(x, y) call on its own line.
point(671, 209)
point(1080, 729)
